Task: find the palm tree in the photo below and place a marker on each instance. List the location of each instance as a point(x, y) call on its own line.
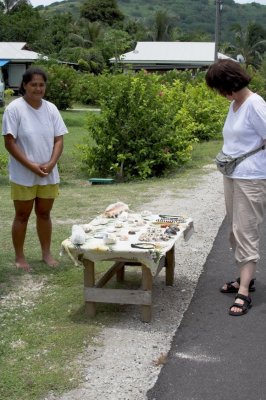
point(8, 5)
point(162, 27)
point(250, 43)
point(86, 33)
point(94, 31)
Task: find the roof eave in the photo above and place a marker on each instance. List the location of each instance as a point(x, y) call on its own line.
point(20, 60)
point(160, 63)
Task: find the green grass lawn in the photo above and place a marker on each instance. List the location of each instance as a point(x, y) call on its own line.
point(43, 331)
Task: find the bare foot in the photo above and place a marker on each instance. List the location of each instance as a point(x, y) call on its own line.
point(49, 260)
point(22, 264)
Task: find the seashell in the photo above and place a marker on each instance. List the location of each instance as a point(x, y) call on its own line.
point(110, 238)
point(119, 224)
point(99, 235)
point(124, 238)
point(110, 230)
point(103, 221)
point(140, 223)
point(113, 210)
point(123, 216)
point(86, 227)
point(145, 213)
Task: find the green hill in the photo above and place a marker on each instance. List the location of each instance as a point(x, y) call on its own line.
point(190, 15)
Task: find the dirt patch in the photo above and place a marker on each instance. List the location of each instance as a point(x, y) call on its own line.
point(24, 293)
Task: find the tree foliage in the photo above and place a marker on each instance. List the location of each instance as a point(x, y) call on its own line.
point(8, 5)
point(22, 24)
point(163, 27)
point(115, 43)
point(250, 42)
point(105, 11)
point(55, 35)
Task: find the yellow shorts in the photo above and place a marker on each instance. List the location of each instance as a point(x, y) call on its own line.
point(24, 193)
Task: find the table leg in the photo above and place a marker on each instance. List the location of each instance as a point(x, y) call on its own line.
point(120, 274)
point(170, 267)
point(146, 285)
point(89, 281)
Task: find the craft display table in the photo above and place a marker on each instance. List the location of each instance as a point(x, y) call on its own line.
point(130, 249)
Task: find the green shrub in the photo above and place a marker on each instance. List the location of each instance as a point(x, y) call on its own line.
point(9, 93)
point(60, 90)
point(60, 85)
point(258, 82)
point(3, 164)
point(207, 109)
point(92, 89)
point(86, 89)
point(135, 133)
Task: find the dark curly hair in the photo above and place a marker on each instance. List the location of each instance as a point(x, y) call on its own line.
point(227, 76)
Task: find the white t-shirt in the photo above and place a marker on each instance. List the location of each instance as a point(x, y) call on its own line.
point(245, 130)
point(34, 131)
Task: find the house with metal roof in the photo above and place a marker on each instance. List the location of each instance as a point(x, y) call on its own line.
point(15, 58)
point(163, 56)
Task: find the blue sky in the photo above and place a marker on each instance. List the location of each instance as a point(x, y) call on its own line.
point(47, 2)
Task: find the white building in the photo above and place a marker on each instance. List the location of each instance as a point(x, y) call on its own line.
point(15, 58)
point(161, 56)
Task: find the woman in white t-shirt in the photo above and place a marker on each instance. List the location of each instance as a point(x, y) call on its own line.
point(33, 130)
point(245, 189)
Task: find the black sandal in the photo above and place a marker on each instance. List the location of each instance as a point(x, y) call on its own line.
point(232, 289)
point(243, 307)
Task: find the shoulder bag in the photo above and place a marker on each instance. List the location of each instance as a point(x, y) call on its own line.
point(227, 164)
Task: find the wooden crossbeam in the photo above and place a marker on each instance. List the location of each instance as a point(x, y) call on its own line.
point(118, 296)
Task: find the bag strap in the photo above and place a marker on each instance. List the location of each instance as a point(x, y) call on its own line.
point(241, 158)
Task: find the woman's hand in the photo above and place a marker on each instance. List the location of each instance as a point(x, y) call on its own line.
point(47, 167)
point(57, 151)
point(38, 169)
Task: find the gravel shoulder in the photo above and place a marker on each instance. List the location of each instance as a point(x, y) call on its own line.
point(131, 353)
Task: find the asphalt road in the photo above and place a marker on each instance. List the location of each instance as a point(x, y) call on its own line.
point(215, 356)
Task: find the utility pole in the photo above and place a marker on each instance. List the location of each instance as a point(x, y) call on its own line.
point(219, 7)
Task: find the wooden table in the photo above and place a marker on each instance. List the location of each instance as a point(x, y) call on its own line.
point(149, 262)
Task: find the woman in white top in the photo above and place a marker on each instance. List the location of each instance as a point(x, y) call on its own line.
point(33, 130)
point(245, 189)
